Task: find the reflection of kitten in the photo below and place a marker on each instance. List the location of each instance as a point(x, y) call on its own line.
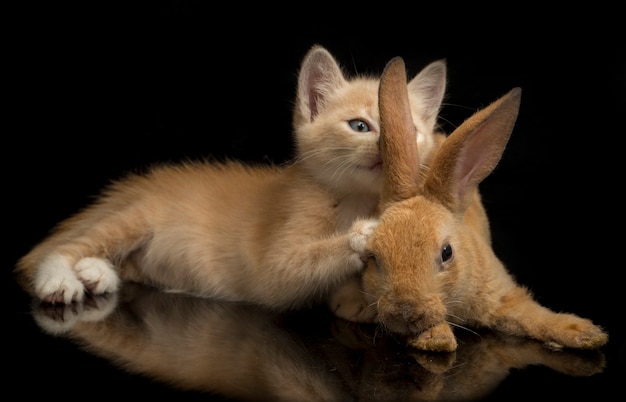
point(278, 236)
point(236, 350)
point(309, 356)
point(337, 127)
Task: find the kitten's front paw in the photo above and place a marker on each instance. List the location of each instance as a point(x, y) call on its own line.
point(360, 234)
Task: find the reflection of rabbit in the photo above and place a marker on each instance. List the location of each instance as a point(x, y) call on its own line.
point(433, 264)
point(243, 352)
point(475, 370)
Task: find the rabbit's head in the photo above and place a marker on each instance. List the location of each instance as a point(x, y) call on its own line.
point(430, 241)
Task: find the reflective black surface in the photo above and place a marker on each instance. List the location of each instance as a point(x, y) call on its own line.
point(245, 352)
point(96, 92)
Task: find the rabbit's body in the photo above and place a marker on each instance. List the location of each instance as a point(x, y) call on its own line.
point(433, 263)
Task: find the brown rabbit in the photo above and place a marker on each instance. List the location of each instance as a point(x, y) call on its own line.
point(433, 265)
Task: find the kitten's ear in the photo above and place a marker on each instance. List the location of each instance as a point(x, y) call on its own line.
point(320, 75)
point(427, 90)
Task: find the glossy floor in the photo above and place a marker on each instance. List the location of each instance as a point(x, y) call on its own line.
point(145, 342)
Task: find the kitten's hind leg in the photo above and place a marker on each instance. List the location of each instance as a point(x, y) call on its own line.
point(97, 274)
point(57, 281)
point(79, 256)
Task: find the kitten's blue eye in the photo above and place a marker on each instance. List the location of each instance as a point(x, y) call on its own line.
point(359, 125)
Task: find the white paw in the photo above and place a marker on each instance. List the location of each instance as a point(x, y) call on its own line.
point(360, 234)
point(56, 281)
point(97, 275)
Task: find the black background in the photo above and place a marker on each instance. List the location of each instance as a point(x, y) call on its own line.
point(100, 89)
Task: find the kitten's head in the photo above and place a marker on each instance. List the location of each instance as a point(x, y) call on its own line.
point(336, 121)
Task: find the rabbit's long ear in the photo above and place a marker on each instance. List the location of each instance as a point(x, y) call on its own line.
point(398, 147)
point(472, 151)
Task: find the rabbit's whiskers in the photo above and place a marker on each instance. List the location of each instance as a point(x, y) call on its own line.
point(462, 327)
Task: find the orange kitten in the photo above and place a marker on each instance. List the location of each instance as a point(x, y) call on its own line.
point(280, 236)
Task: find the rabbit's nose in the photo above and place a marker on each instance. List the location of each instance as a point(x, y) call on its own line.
point(411, 316)
point(418, 314)
point(420, 322)
point(412, 324)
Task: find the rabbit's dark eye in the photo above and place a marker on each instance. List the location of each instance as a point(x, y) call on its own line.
point(359, 125)
point(446, 253)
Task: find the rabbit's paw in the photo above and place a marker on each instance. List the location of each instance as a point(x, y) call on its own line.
point(56, 281)
point(439, 338)
point(360, 234)
point(97, 275)
point(351, 303)
point(572, 331)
